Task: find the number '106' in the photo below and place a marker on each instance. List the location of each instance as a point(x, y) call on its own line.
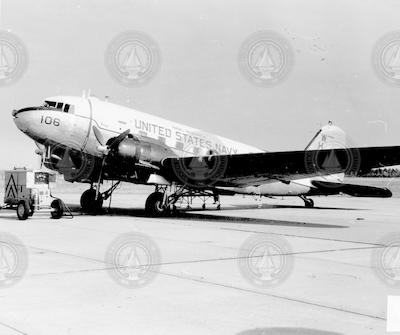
point(49, 120)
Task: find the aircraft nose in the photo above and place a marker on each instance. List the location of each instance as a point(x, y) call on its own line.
point(20, 121)
point(25, 119)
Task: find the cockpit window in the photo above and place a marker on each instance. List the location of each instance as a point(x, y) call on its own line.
point(50, 104)
point(60, 106)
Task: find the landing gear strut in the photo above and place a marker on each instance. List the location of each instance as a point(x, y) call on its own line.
point(162, 202)
point(309, 203)
point(92, 200)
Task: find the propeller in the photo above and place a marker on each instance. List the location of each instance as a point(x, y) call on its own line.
point(106, 147)
point(118, 139)
point(112, 144)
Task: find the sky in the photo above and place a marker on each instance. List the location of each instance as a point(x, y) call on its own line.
point(199, 81)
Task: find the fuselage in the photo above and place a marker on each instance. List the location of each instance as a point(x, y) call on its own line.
point(74, 127)
point(73, 121)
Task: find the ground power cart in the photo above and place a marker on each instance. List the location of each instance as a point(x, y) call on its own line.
point(28, 191)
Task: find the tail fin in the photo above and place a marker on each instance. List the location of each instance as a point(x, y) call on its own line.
point(328, 137)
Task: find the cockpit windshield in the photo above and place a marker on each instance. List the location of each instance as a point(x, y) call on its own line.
point(60, 106)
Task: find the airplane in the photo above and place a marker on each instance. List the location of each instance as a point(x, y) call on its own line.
point(91, 140)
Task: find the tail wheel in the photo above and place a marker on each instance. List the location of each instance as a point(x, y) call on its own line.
point(23, 210)
point(89, 203)
point(154, 204)
point(58, 209)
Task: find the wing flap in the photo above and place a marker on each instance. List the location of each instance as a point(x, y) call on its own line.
point(351, 189)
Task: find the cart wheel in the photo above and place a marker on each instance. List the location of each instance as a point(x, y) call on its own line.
point(58, 209)
point(23, 210)
point(31, 210)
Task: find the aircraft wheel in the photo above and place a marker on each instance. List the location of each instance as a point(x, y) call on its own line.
point(89, 204)
point(309, 203)
point(23, 210)
point(58, 209)
point(154, 205)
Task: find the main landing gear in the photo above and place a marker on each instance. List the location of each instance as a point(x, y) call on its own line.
point(92, 199)
point(161, 202)
point(309, 203)
point(155, 204)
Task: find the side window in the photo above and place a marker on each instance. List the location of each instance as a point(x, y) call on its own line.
point(66, 108)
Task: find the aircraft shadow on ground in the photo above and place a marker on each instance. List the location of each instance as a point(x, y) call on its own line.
point(264, 206)
point(286, 331)
point(201, 215)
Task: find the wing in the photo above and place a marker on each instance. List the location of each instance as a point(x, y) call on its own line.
point(236, 170)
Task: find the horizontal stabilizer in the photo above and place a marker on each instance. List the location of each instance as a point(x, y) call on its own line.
point(353, 190)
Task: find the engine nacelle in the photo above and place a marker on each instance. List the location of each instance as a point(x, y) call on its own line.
point(133, 150)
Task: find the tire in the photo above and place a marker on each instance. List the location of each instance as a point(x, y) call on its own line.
point(31, 208)
point(89, 204)
point(154, 206)
point(23, 210)
point(58, 209)
point(309, 203)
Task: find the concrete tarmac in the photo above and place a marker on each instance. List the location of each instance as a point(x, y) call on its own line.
point(278, 269)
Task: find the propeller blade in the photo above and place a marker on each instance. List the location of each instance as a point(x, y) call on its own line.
point(99, 136)
point(40, 147)
point(56, 157)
